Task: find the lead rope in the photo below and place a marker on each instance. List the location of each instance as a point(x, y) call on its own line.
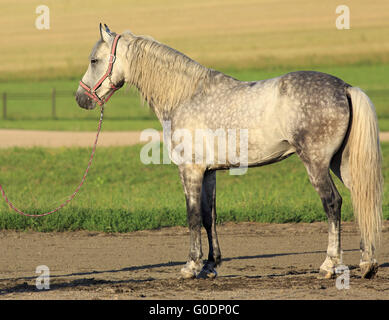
point(74, 193)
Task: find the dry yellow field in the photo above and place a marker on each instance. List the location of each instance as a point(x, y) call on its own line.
point(217, 33)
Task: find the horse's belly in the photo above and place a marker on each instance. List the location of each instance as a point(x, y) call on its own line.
point(255, 151)
point(269, 152)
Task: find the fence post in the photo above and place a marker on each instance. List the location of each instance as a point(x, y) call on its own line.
point(53, 111)
point(4, 105)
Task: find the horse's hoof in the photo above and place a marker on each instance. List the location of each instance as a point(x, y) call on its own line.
point(208, 272)
point(190, 270)
point(368, 269)
point(328, 268)
point(187, 274)
point(325, 274)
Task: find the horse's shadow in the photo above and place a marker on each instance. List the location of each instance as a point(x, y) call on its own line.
point(88, 282)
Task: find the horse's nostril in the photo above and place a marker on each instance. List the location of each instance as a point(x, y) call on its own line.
point(79, 99)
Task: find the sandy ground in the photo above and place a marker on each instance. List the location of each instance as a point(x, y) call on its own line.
point(31, 138)
point(261, 261)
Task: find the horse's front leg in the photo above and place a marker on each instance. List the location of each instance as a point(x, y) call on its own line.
point(208, 211)
point(192, 178)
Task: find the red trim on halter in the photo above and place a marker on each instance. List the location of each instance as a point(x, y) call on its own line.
point(92, 92)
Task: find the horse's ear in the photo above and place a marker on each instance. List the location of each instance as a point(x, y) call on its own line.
point(104, 34)
point(107, 29)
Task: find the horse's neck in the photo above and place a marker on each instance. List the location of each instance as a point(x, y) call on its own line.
point(205, 87)
point(165, 87)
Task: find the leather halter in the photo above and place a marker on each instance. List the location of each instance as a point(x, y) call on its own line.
point(91, 92)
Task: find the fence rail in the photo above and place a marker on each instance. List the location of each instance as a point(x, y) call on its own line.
point(25, 96)
point(37, 96)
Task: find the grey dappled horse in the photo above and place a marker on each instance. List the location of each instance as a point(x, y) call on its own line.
point(325, 121)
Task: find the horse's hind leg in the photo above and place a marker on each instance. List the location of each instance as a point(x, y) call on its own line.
point(340, 166)
point(208, 211)
point(332, 202)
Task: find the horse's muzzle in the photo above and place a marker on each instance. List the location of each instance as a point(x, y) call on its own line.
point(84, 101)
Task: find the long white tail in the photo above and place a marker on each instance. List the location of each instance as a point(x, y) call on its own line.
point(365, 167)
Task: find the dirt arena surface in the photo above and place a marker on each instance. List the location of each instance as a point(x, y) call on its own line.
point(53, 139)
point(261, 261)
point(36, 138)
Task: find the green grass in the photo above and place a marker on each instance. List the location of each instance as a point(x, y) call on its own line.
point(121, 194)
point(126, 112)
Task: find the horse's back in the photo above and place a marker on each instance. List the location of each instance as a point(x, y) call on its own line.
point(312, 87)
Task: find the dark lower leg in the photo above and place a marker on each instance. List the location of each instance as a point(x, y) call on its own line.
point(332, 203)
point(192, 178)
point(208, 212)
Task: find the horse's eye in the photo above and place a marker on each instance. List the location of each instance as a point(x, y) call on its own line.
point(93, 61)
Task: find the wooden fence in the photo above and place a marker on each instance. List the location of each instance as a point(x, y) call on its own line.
point(53, 96)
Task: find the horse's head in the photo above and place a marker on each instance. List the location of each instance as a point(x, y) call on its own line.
point(105, 71)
